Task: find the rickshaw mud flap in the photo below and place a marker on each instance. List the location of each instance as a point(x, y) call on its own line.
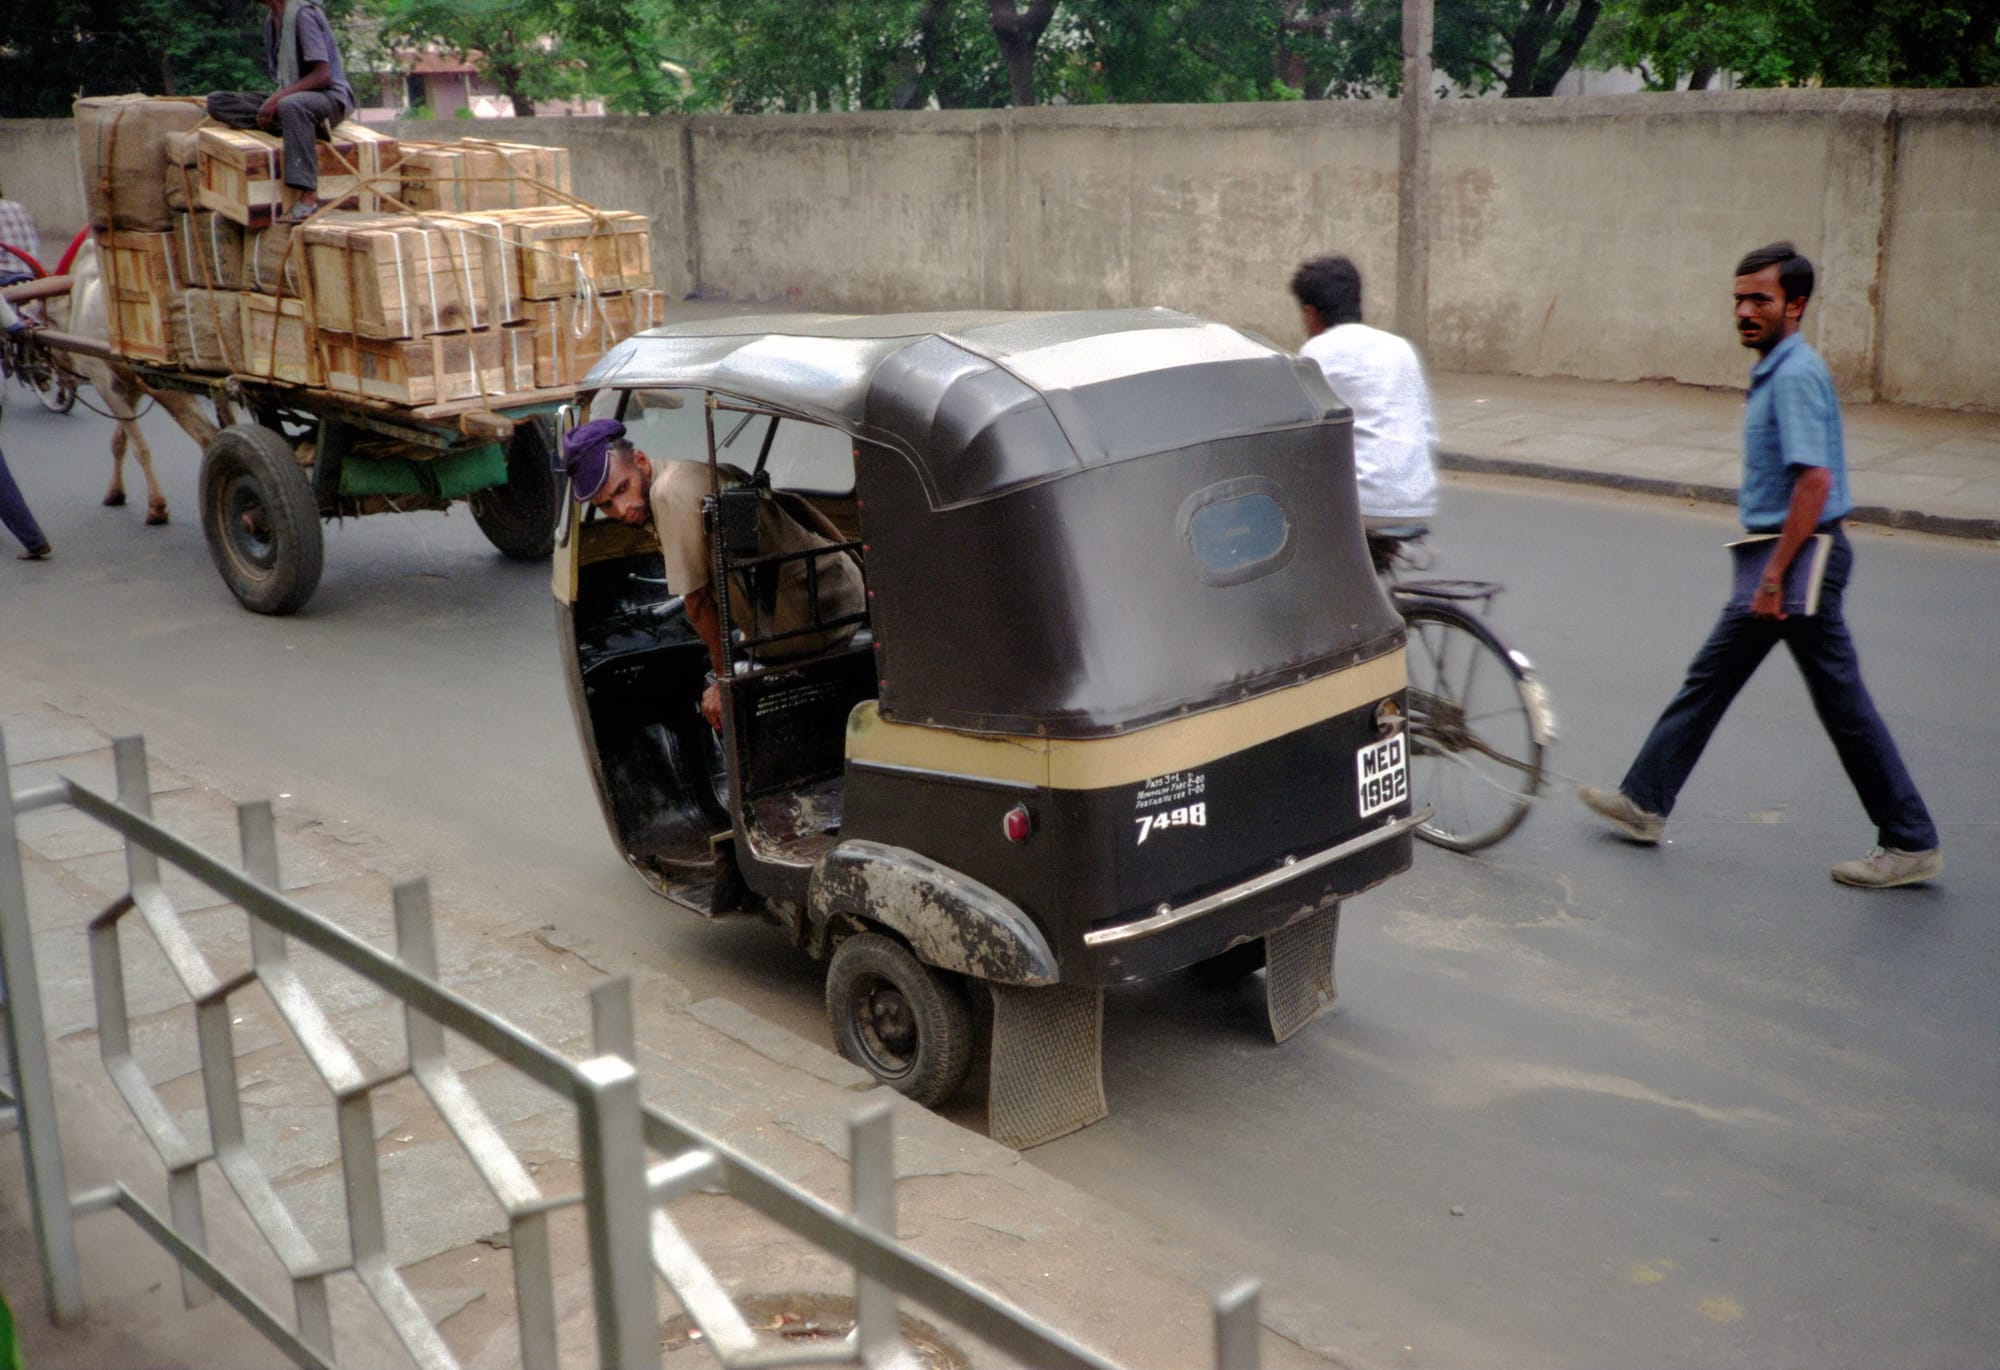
point(1298, 976)
point(951, 921)
point(1047, 1067)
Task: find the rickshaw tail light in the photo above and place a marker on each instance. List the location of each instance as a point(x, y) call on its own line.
point(1018, 823)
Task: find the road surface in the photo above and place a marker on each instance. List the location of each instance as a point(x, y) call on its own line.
point(1580, 1103)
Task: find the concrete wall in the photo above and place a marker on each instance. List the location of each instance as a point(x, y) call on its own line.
point(1589, 237)
point(38, 168)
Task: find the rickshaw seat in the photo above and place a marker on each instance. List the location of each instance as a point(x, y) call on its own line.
point(795, 715)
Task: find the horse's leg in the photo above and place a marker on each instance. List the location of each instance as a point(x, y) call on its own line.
point(130, 393)
point(115, 496)
point(156, 498)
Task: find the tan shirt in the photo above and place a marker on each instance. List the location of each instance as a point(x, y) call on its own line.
point(675, 496)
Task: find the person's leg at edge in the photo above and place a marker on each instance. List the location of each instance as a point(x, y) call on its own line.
point(20, 520)
point(1735, 648)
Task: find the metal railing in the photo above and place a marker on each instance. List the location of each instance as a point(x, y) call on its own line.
point(636, 1160)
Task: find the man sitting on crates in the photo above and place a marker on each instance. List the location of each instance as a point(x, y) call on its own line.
point(607, 471)
point(312, 94)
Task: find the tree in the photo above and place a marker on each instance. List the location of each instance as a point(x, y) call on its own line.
point(1799, 42)
point(53, 51)
point(1541, 40)
point(1018, 30)
point(1174, 51)
point(1520, 47)
point(512, 41)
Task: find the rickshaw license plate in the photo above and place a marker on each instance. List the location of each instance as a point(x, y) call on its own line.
point(1382, 774)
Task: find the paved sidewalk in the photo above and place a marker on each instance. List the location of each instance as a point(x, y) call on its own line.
point(978, 1208)
point(1924, 469)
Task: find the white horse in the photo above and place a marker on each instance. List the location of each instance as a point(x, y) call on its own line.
point(85, 313)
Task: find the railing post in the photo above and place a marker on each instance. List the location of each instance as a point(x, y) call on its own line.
point(872, 1160)
point(34, 1085)
point(1236, 1328)
point(135, 793)
point(617, 1203)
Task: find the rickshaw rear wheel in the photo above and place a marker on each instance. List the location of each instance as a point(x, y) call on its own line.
point(519, 518)
point(261, 519)
point(898, 1019)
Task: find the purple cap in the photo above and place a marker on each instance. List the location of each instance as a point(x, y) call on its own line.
point(587, 455)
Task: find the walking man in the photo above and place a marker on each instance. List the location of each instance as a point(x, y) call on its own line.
point(1794, 485)
point(312, 94)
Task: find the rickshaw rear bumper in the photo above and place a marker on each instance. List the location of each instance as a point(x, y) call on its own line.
point(1173, 936)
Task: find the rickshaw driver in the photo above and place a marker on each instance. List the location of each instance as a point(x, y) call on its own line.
point(607, 471)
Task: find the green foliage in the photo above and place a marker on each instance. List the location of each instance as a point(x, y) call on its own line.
point(651, 56)
point(1808, 42)
point(778, 56)
point(512, 41)
point(1519, 47)
point(53, 50)
point(1170, 51)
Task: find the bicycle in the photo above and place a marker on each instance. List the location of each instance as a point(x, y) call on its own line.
point(1480, 717)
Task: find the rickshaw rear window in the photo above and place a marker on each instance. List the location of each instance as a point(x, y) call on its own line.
point(1238, 531)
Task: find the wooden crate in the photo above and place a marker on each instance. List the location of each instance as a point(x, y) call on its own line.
point(140, 288)
point(272, 264)
point(473, 175)
point(612, 246)
point(278, 342)
point(207, 251)
point(500, 257)
point(182, 169)
point(431, 370)
point(517, 357)
point(208, 330)
point(242, 172)
point(121, 148)
point(394, 277)
point(562, 357)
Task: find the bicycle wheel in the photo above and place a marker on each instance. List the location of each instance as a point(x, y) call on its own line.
point(1477, 720)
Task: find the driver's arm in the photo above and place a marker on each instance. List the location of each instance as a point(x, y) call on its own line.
point(700, 606)
point(676, 496)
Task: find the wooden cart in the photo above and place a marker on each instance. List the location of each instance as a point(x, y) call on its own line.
point(287, 457)
point(307, 455)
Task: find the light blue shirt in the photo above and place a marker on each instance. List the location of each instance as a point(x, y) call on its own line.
point(1791, 418)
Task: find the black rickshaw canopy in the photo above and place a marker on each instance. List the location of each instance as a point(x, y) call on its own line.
point(982, 402)
point(1099, 519)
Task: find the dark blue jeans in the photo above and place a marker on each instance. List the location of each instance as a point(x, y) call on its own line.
point(1826, 657)
point(14, 509)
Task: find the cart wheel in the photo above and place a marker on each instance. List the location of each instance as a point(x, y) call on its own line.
point(520, 517)
point(898, 1019)
point(52, 386)
point(261, 519)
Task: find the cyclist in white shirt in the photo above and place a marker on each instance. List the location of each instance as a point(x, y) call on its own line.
point(1378, 376)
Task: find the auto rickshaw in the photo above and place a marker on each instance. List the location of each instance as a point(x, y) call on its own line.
point(1127, 696)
